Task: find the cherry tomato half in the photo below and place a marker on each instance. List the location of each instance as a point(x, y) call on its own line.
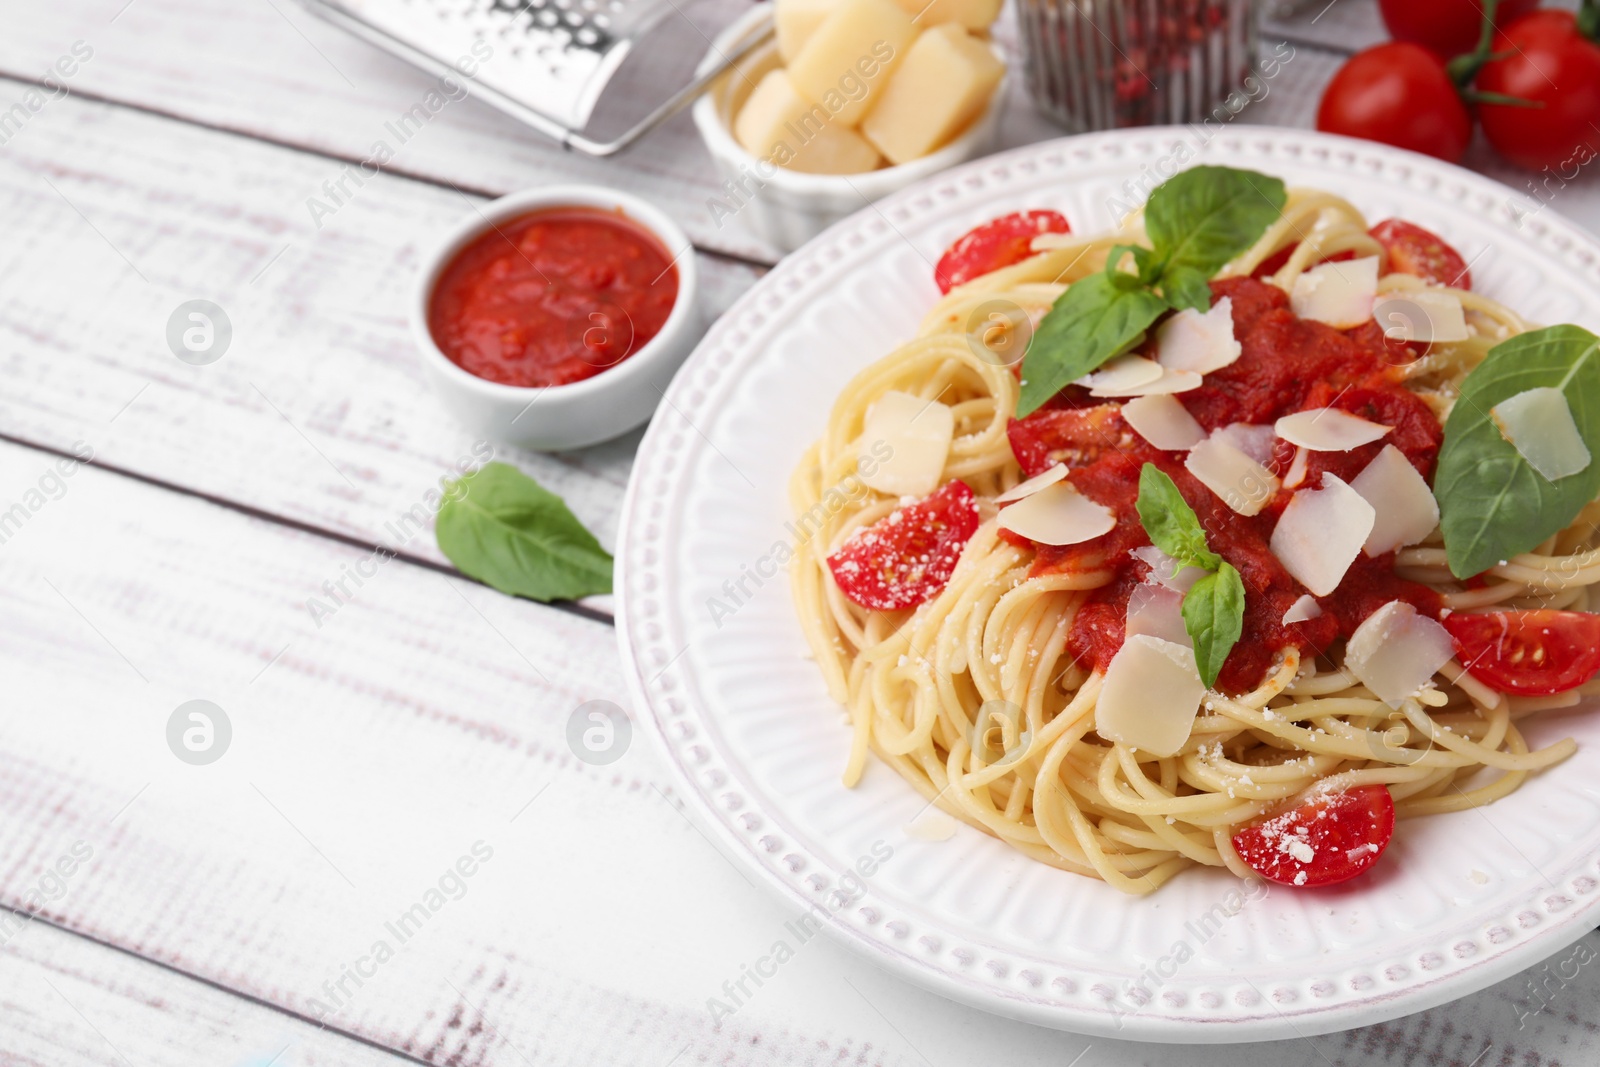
point(907, 556)
point(1398, 94)
point(1324, 841)
point(997, 243)
point(1553, 65)
point(1528, 652)
point(1449, 27)
point(1074, 436)
point(1413, 250)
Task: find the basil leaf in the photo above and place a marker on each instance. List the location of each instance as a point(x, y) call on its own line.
point(506, 530)
point(1185, 287)
point(1213, 613)
point(1090, 323)
point(1170, 522)
point(1203, 217)
point(1492, 504)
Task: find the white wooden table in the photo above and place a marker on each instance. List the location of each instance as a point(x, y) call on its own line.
point(228, 914)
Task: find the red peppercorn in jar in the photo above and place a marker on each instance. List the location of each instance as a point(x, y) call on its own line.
point(1119, 63)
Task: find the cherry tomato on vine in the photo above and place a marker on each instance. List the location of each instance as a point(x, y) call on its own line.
point(907, 556)
point(997, 243)
point(1413, 250)
point(1398, 94)
point(1528, 652)
point(1324, 841)
point(1448, 27)
point(1553, 65)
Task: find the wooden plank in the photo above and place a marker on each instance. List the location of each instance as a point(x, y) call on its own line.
point(422, 731)
point(274, 71)
point(68, 1000)
point(318, 411)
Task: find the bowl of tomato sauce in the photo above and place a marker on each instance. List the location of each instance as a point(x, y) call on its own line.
point(554, 318)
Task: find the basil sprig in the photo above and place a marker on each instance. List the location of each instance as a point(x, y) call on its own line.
point(1213, 608)
point(501, 527)
point(1492, 503)
point(1197, 221)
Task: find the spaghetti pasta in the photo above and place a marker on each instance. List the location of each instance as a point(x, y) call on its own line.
point(975, 699)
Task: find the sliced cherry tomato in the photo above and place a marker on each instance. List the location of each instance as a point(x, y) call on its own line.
point(1449, 27)
point(907, 556)
point(1324, 841)
point(1528, 652)
point(1399, 94)
point(997, 243)
point(1413, 250)
point(1551, 64)
point(1074, 436)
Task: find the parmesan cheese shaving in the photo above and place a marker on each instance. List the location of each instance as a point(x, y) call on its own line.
point(1302, 610)
point(1162, 420)
point(1151, 693)
point(1124, 372)
point(918, 434)
point(1157, 611)
point(1242, 483)
point(1395, 652)
point(1033, 485)
point(1190, 341)
point(1339, 294)
point(1425, 316)
point(1328, 430)
point(1405, 509)
point(1057, 515)
point(1540, 426)
point(1321, 532)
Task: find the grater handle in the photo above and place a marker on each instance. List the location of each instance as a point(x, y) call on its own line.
point(675, 103)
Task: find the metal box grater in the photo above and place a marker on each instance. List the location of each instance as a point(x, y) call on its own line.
point(550, 60)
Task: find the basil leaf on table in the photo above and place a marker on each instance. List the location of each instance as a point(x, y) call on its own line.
point(1197, 221)
point(506, 530)
point(1213, 613)
point(1091, 322)
point(1170, 522)
point(1202, 217)
point(1492, 503)
point(1213, 608)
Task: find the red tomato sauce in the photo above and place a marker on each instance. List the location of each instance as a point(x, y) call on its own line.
point(553, 297)
point(1287, 365)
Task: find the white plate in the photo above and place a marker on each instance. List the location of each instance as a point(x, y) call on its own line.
point(1459, 902)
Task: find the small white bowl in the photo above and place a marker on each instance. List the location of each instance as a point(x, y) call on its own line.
point(558, 417)
point(789, 208)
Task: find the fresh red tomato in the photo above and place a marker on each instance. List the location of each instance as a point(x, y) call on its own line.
point(1074, 436)
point(997, 243)
point(1528, 652)
point(1399, 94)
point(1550, 63)
point(1324, 841)
point(1413, 250)
point(907, 556)
point(1449, 27)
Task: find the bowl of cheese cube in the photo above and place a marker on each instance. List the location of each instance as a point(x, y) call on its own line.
point(849, 101)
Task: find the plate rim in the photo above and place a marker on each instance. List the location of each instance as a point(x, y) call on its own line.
point(1557, 928)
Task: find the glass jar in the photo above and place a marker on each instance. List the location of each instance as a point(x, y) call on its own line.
point(1109, 64)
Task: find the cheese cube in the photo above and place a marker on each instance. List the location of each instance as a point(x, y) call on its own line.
point(945, 82)
point(779, 125)
point(848, 59)
point(796, 20)
point(970, 14)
